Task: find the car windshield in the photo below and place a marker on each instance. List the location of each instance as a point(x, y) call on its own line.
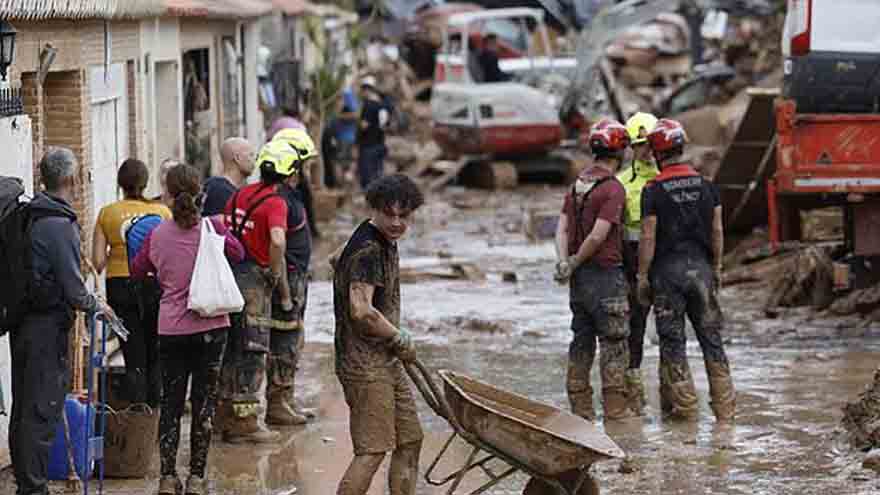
point(512, 32)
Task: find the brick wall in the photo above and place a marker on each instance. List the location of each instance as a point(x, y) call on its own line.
point(66, 113)
point(32, 99)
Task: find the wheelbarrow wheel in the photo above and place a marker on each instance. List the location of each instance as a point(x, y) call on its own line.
point(537, 486)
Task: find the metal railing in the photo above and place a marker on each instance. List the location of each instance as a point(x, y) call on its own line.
point(10, 102)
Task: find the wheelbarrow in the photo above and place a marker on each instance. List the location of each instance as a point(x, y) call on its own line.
point(556, 448)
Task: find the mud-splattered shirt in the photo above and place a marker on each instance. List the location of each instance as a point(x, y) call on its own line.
point(369, 258)
point(684, 204)
point(600, 198)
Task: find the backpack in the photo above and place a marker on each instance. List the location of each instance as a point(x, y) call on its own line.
point(137, 232)
point(147, 292)
point(579, 207)
point(16, 264)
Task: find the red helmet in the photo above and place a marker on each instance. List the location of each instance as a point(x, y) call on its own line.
point(667, 134)
point(608, 137)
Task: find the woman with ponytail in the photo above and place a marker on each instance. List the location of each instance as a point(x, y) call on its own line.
point(134, 303)
point(189, 346)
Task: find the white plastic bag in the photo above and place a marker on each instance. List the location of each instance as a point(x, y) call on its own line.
point(213, 290)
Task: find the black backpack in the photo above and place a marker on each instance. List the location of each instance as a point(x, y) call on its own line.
point(16, 266)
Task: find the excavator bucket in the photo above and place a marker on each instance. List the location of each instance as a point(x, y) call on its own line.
point(748, 162)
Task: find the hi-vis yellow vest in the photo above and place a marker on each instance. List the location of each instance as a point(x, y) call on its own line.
point(634, 177)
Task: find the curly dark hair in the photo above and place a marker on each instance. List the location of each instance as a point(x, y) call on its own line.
point(184, 185)
point(132, 178)
point(394, 190)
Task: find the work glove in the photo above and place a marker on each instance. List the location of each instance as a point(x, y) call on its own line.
point(645, 293)
point(403, 347)
point(563, 271)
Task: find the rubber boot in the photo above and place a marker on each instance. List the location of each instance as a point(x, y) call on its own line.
point(281, 412)
point(722, 391)
point(678, 400)
point(170, 485)
point(635, 391)
point(247, 428)
point(615, 403)
point(582, 403)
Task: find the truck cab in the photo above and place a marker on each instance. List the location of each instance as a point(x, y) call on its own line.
point(831, 51)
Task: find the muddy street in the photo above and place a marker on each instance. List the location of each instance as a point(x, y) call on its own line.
point(505, 321)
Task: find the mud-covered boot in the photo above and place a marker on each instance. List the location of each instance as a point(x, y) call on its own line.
point(722, 391)
point(678, 399)
point(170, 485)
point(582, 403)
point(281, 411)
point(635, 391)
point(615, 403)
point(248, 428)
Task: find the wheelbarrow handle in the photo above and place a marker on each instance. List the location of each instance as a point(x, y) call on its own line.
point(421, 377)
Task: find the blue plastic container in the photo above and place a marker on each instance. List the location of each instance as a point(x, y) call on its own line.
point(78, 417)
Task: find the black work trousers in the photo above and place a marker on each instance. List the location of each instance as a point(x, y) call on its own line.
point(40, 377)
point(200, 357)
point(638, 313)
point(137, 304)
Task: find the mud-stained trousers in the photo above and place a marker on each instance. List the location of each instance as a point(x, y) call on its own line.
point(598, 301)
point(199, 356)
point(684, 286)
point(638, 314)
point(244, 362)
point(638, 321)
point(286, 341)
point(40, 376)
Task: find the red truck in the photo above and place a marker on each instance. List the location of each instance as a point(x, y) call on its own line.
point(828, 120)
point(815, 141)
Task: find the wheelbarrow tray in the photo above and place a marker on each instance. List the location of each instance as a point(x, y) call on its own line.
point(548, 440)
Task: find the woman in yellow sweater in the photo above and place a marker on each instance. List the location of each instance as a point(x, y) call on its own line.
point(137, 303)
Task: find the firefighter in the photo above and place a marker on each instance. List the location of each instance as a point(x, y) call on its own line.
point(634, 177)
point(286, 341)
point(680, 257)
point(257, 215)
point(588, 243)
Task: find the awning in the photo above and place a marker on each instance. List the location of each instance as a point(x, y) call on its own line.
point(224, 9)
point(32, 10)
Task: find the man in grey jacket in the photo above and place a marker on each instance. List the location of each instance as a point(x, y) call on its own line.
point(39, 345)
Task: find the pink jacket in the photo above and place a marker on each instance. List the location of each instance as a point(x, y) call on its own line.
point(170, 253)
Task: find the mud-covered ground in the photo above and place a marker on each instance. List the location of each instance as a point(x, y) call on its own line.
point(793, 373)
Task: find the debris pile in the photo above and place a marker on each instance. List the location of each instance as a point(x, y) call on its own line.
point(861, 419)
point(654, 63)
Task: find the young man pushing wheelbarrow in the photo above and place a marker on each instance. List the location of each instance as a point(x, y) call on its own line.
point(370, 343)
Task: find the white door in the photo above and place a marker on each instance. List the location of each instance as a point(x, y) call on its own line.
point(109, 126)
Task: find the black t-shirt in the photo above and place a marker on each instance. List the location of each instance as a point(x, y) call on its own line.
point(371, 259)
point(218, 191)
point(491, 69)
point(374, 133)
point(299, 236)
point(684, 204)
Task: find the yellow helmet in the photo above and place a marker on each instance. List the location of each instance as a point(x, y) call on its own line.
point(639, 126)
point(300, 140)
point(283, 160)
